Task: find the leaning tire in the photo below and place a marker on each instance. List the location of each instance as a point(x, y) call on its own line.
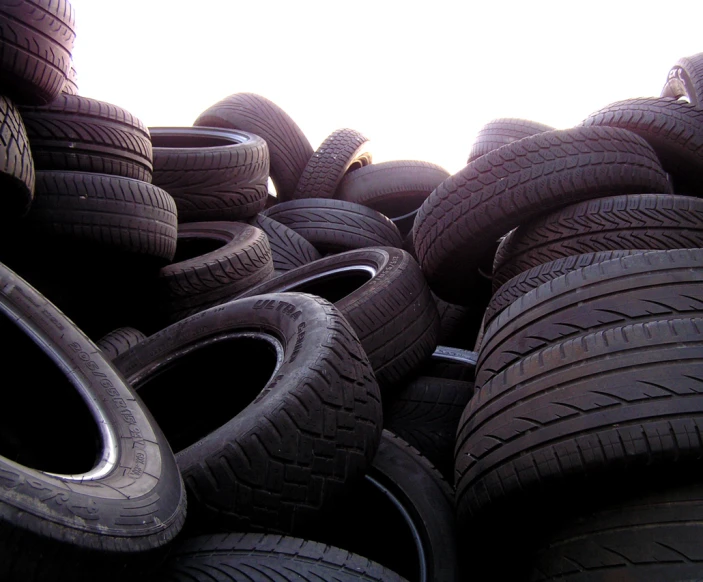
point(500, 132)
point(275, 445)
point(16, 163)
point(382, 294)
point(119, 341)
point(288, 249)
point(59, 526)
point(685, 79)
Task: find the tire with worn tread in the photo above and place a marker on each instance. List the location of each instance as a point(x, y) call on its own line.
point(685, 79)
point(500, 132)
point(78, 134)
point(287, 413)
point(382, 294)
point(16, 163)
point(212, 174)
point(633, 222)
point(335, 226)
point(344, 150)
point(458, 226)
point(289, 149)
point(202, 276)
point(36, 40)
point(288, 249)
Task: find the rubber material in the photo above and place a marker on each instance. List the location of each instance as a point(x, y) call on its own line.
point(289, 149)
point(382, 294)
point(119, 341)
point(36, 40)
point(685, 79)
point(288, 249)
point(78, 134)
point(212, 174)
point(458, 225)
point(16, 162)
point(500, 132)
point(336, 226)
point(344, 150)
point(273, 445)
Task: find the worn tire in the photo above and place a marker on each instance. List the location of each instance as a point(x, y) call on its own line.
point(382, 294)
point(674, 129)
point(344, 150)
point(459, 224)
point(212, 174)
point(288, 249)
point(36, 40)
point(634, 222)
point(16, 163)
point(335, 226)
point(59, 521)
point(500, 132)
point(78, 134)
point(202, 276)
point(289, 149)
point(119, 341)
point(685, 79)
point(249, 557)
point(312, 429)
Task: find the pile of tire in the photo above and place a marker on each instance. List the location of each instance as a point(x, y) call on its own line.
point(245, 359)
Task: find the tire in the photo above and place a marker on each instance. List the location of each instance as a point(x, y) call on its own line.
point(634, 222)
point(344, 150)
point(674, 129)
point(451, 364)
point(405, 499)
point(119, 341)
point(590, 393)
point(276, 462)
point(382, 294)
point(500, 132)
point(685, 79)
point(652, 537)
point(71, 85)
point(78, 134)
point(289, 149)
point(115, 212)
point(395, 189)
point(288, 249)
point(528, 280)
point(36, 40)
point(16, 163)
point(251, 557)
point(459, 224)
point(426, 414)
point(335, 226)
point(212, 174)
point(214, 262)
point(65, 521)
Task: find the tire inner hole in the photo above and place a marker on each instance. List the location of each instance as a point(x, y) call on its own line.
point(333, 286)
point(47, 426)
point(189, 248)
point(207, 387)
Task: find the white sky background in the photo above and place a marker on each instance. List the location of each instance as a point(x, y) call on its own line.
point(417, 78)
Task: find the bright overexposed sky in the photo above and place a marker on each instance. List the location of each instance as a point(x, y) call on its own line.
point(418, 78)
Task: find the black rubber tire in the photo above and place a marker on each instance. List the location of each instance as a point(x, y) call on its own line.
point(288, 249)
point(202, 276)
point(382, 294)
point(71, 85)
point(404, 499)
point(453, 319)
point(674, 129)
point(116, 212)
point(528, 280)
point(344, 150)
point(395, 189)
point(119, 340)
point(16, 163)
point(451, 364)
point(236, 557)
point(212, 174)
point(583, 377)
point(276, 462)
point(500, 132)
point(654, 537)
point(335, 226)
point(634, 222)
point(289, 149)
point(685, 79)
point(36, 40)
point(73, 527)
point(459, 224)
point(426, 414)
point(78, 134)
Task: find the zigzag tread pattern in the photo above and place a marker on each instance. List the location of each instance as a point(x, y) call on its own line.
point(288, 249)
point(500, 132)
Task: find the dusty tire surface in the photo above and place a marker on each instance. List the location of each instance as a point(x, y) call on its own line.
point(500, 132)
point(461, 221)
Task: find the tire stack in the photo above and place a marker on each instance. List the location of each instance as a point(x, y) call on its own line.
point(305, 381)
